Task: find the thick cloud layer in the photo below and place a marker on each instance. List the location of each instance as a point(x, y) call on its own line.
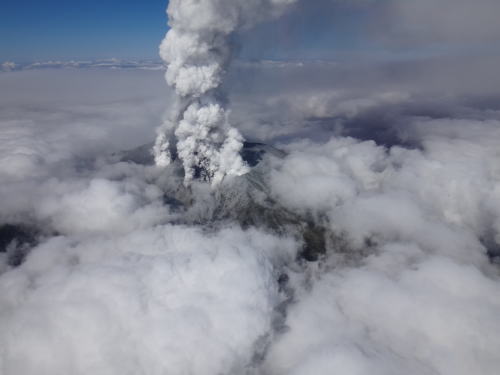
point(365, 241)
point(140, 303)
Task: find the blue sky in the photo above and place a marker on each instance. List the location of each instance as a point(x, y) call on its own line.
point(316, 29)
point(56, 29)
point(61, 29)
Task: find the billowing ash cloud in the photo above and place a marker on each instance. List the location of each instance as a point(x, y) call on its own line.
point(197, 50)
point(458, 21)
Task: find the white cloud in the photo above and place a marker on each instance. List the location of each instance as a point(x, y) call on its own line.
point(8, 66)
point(131, 274)
point(426, 316)
point(140, 303)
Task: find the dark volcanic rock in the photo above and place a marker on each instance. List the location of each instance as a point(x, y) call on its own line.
point(252, 153)
point(314, 242)
point(246, 200)
point(16, 240)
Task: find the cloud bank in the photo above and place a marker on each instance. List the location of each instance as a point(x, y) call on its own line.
point(112, 64)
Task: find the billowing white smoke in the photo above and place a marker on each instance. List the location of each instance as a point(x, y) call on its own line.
point(197, 50)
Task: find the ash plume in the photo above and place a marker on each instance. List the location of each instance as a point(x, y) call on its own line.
point(197, 50)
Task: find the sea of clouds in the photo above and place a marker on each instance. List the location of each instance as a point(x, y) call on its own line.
point(119, 280)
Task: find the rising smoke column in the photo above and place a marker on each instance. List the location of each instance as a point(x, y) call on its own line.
point(197, 50)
